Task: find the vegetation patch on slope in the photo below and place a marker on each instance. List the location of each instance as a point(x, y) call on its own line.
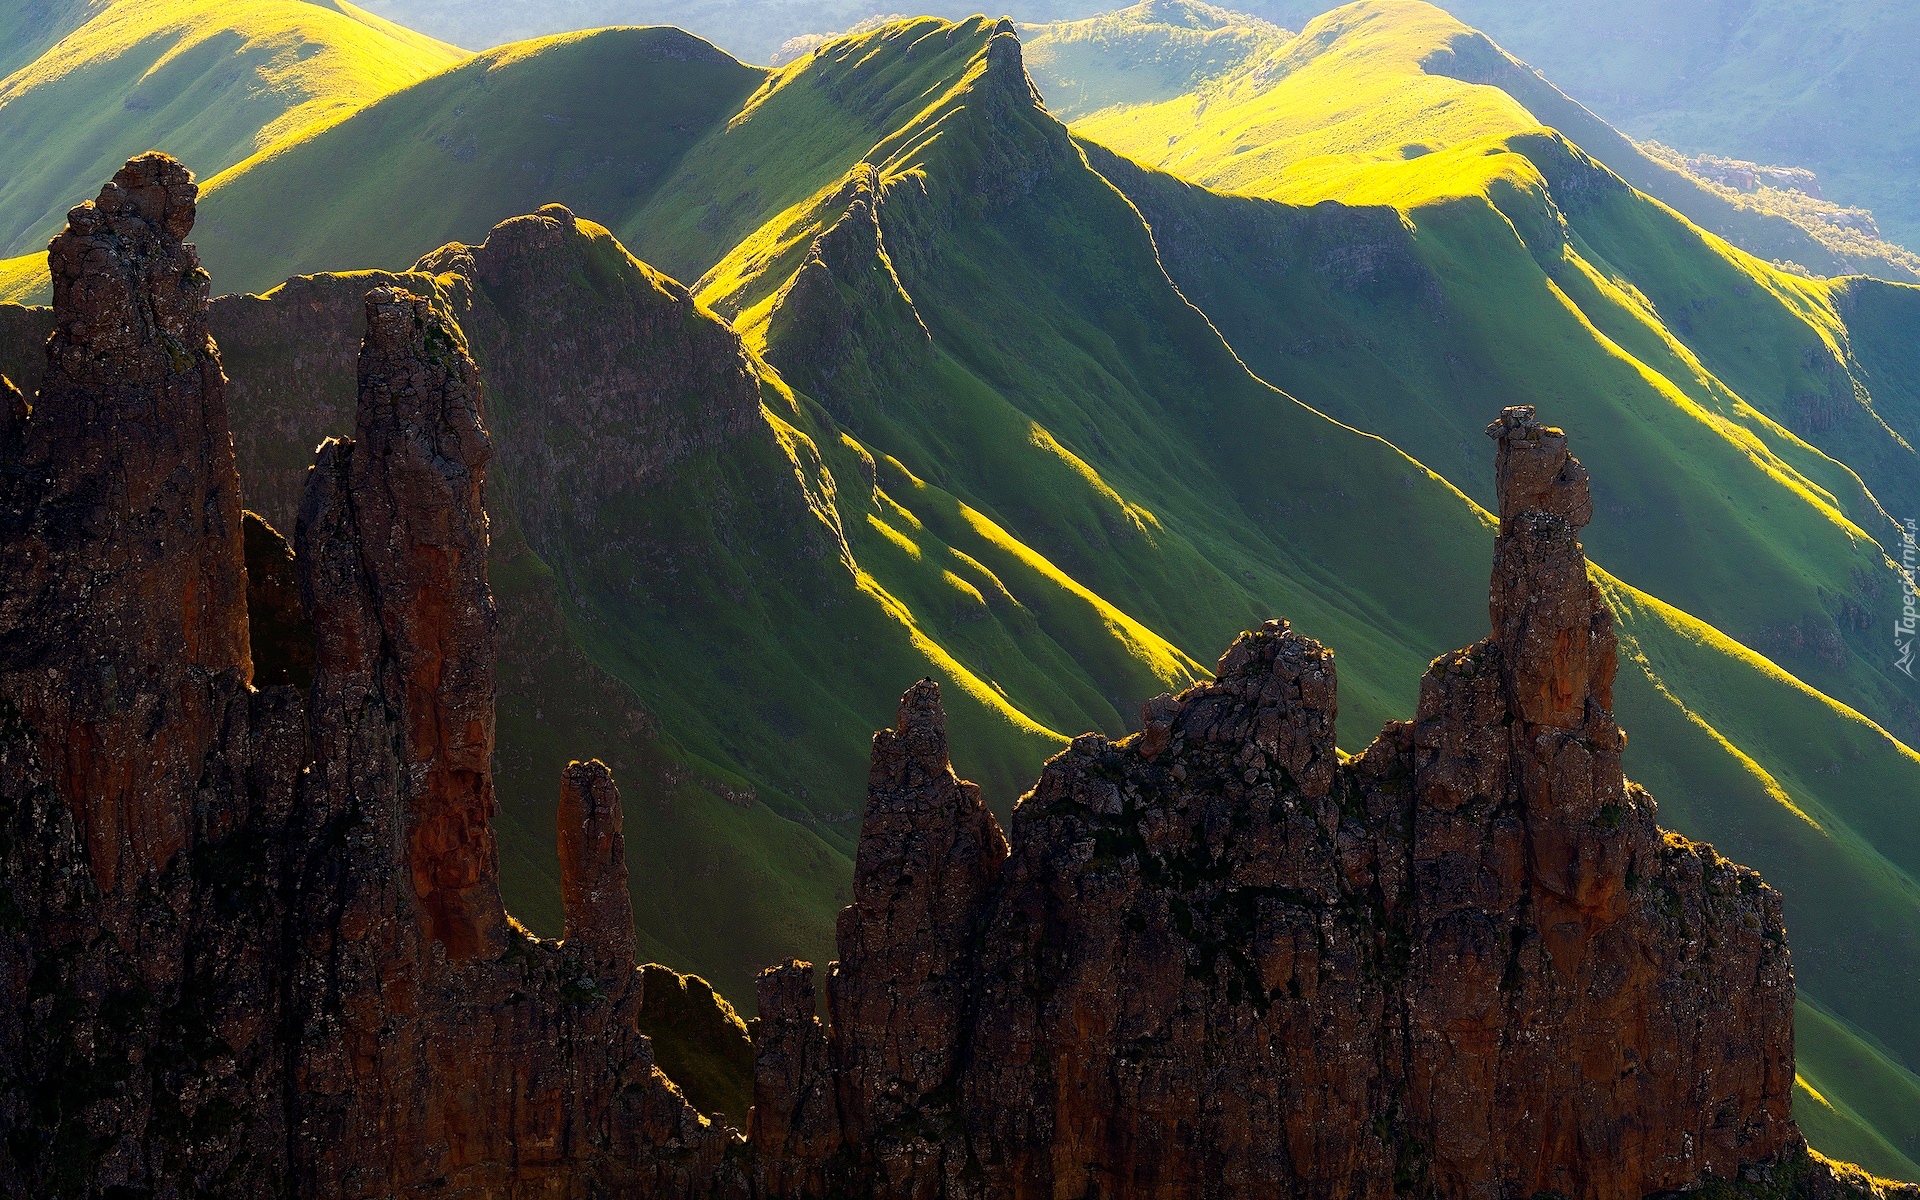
point(213, 81)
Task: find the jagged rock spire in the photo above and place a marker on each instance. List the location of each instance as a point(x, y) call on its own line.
point(1221, 960)
point(122, 588)
point(1549, 620)
point(419, 466)
point(1278, 690)
point(393, 540)
point(930, 854)
point(795, 1122)
point(593, 868)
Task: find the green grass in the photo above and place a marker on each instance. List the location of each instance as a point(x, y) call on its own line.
point(29, 28)
point(23, 280)
point(1834, 1054)
point(211, 81)
point(1155, 50)
point(699, 1041)
point(1405, 321)
point(1812, 83)
point(447, 158)
point(1334, 113)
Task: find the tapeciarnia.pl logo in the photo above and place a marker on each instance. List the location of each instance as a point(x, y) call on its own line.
point(1904, 628)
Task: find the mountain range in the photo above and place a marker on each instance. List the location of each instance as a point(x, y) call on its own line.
point(1050, 412)
point(1812, 89)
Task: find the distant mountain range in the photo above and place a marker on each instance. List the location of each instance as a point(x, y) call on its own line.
point(1051, 413)
point(1820, 84)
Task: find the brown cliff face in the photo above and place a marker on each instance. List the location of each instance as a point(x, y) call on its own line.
point(414, 474)
point(795, 1126)
point(929, 858)
point(1222, 962)
point(123, 588)
point(442, 1047)
point(265, 954)
point(593, 869)
point(141, 781)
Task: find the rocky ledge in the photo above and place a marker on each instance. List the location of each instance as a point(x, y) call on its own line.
point(252, 942)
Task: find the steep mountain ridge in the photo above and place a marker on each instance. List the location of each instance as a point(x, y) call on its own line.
point(1411, 80)
point(1154, 50)
point(1805, 83)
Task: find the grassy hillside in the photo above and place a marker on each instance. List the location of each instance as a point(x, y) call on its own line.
point(1823, 84)
point(1392, 80)
point(29, 27)
point(1813, 83)
point(212, 81)
point(1519, 255)
point(444, 160)
point(1153, 51)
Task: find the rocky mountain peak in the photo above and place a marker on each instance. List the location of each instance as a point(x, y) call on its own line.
point(129, 294)
point(123, 589)
point(1550, 622)
point(593, 869)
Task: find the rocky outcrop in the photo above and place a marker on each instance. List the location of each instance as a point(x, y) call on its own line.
point(394, 526)
point(1222, 961)
point(253, 941)
point(929, 859)
point(618, 409)
point(440, 1046)
point(645, 380)
point(278, 633)
point(136, 834)
point(123, 593)
point(593, 868)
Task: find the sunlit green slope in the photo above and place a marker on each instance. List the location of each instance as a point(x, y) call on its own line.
point(213, 81)
point(1002, 331)
point(593, 121)
point(1153, 51)
point(1382, 81)
point(1825, 84)
point(1517, 256)
point(29, 27)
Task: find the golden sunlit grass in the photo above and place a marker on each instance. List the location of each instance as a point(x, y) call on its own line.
point(210, 81)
